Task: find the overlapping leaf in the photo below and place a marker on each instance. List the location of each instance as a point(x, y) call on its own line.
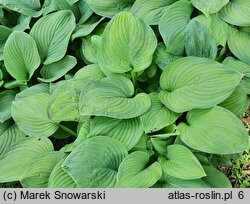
point(26, 7)
point(109, 8)
point(193, 82)
point(33, 90)
point(237, 65)
point(56, 70)
point(60, 178)
point(162, 57)
point(158, 116)
point(19, 156)
point(57, 5)
point(5, 32)
point(180, 162)
point(127, 44)
point(218, 27)
point(86, 28)
point(23, 23)
point(199, 40)
point(150, 11)
point(30, 114)
point(237, 42)
point(85, 11)
point(6, 99)
point(215, 130)
point(236, 12)
point(133, 172)
point(111, 97)
point(21, 56)
point(63, 105)
point(171, 182)
point(52, 34)
point(91, 72)
point(9, 135)
point(237, 102)
point(126, 131)
point(210, 6)
point(95, 167)
point(215, 178)
point(38, 173)
point(172, 26)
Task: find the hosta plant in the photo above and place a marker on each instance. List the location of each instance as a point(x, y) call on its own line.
point(122, 93)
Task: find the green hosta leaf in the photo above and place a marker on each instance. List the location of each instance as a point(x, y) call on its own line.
point(134, 172)
point(237, 65)
point(6, 99)
point(13, 84)
point(236, 12)
point(38, 173)
point(30, 114)
point(26, 7)
point(109, 8)
point(58, 5)
point(220, 160)
point(151, 71)
point(218, 27)
point(215, 178)
point(128, 131)
point(209, 6)
point(9, 135)
point(95, 167)
point(237, 102)
point(164, 58)
point(193, 82)
point(229, 136)
point(172, 26)
point(143, 145)
point(127, 44)
point(5, 32)
point(83, 130)
point(180, 162)
point(150, 11)
point(87, 27)
point(90, 72)
point(158, 116)
point(171, 182)
point(246, 84)
point(56, 70)
point(160, 145)
point(85, 11)
point(33, 90)
point(111, 97)
point(52, 34)
point(89, 50)
point(19, 156)
point(63, 104)
point(23, 23)
point(90, 44)
point(21, 56)
point(237, 42)
point(199, 40)
point(60, 178)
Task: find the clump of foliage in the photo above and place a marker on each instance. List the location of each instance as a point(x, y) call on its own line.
point(122, 93)
point(240, 171)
